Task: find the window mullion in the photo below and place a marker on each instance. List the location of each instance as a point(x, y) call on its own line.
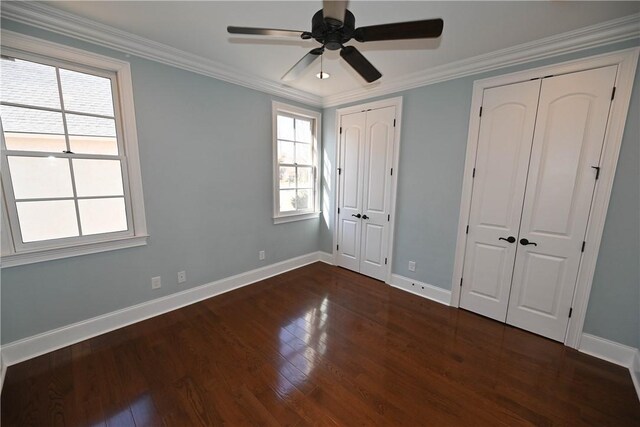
point(70, 160)
point(62, 110)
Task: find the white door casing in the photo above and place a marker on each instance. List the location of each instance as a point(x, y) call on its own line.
point(500, 174)
point(365, 186)
point(572, 119)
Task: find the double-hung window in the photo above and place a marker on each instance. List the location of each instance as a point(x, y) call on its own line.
point(66, 157)
point(296, 135)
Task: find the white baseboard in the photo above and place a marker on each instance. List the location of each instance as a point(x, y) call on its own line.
point(614, 352)
point(27, 348)
point(327, 258)
point(610, 351)
point(425, 290)
point(3, 370)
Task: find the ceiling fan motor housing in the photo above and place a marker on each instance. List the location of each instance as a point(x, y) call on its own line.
point(332, 34)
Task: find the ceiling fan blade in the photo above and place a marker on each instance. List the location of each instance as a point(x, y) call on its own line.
point(425, 29)
point(264, 31)
point(360, 63)
point(295, 71)
point(333, 12)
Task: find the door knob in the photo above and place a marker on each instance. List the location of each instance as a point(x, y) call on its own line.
point(526, 242)
point(365, 217)
point(357, 216)
point(509, 239)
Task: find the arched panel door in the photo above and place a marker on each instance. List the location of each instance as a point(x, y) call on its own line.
point(364, 203)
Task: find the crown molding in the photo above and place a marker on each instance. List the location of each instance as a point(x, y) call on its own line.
point(57, 21)
point(617, 30)
point(51, 19)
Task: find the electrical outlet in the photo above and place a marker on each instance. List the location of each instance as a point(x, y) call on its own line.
point(182, 276)
point(156, 282)
point(261, 255)
point(412, 266)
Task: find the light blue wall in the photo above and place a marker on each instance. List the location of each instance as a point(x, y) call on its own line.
point(432, 154)
point(206, 156)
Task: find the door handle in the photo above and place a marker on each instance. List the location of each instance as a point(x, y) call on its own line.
point(526, 242)
point(357, 216)
point(509, 239)
point(365, 217)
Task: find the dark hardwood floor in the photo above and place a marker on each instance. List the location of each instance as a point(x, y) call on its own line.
point(318, 346)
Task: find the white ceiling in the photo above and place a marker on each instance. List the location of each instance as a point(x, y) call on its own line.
point(471, 28)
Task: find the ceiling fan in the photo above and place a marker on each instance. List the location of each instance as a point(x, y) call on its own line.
point(334, 25)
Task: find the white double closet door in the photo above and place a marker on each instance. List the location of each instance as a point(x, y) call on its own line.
point(536, 168)
point(364, 185)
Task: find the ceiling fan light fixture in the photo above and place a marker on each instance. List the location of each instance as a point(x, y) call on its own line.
point(322, 75)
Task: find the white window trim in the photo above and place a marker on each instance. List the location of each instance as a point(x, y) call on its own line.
point(18, 43)
point(277, 107)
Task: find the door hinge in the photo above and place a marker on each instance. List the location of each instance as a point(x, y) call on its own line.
point(597, 168)
point(339, 171)
point(546, 77)
point(337, 247)
point(570, 311)
point(388, 217)
point(583, 245)
point(461, 282)
point(473, 175)
point(391, 171)
point(480, 111)
point(385, 261)
point(394, 122)
point(338, 211)
point(467, 232)
point(340, 130)
point(613, 93)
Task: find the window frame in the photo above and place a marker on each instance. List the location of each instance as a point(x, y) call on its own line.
point(14, 250)
point(279, 108)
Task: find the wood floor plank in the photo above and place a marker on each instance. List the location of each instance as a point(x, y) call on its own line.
point(319, 346)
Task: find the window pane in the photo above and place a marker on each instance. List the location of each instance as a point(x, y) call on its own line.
point(287, 177)
point(303, 200)
point(90, 126)
point(35, 142)
point(40, 177)
point(304, 154)
point(285, 152)
point(29, 83)
point(16, 119)
point(86, 93)
point(102, 215)
point(94, 145)
point(98, 177)
point(303, 130)
point(305, 177)
point(287, 200)
point(285, 128)
point(47, 220)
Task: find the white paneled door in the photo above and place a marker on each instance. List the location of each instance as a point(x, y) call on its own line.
point(500, 176)
point(572, 120)
point(364, 203)
point(537, 165)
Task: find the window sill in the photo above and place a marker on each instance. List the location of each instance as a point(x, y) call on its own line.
point(297, 217)
point(23, 258)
